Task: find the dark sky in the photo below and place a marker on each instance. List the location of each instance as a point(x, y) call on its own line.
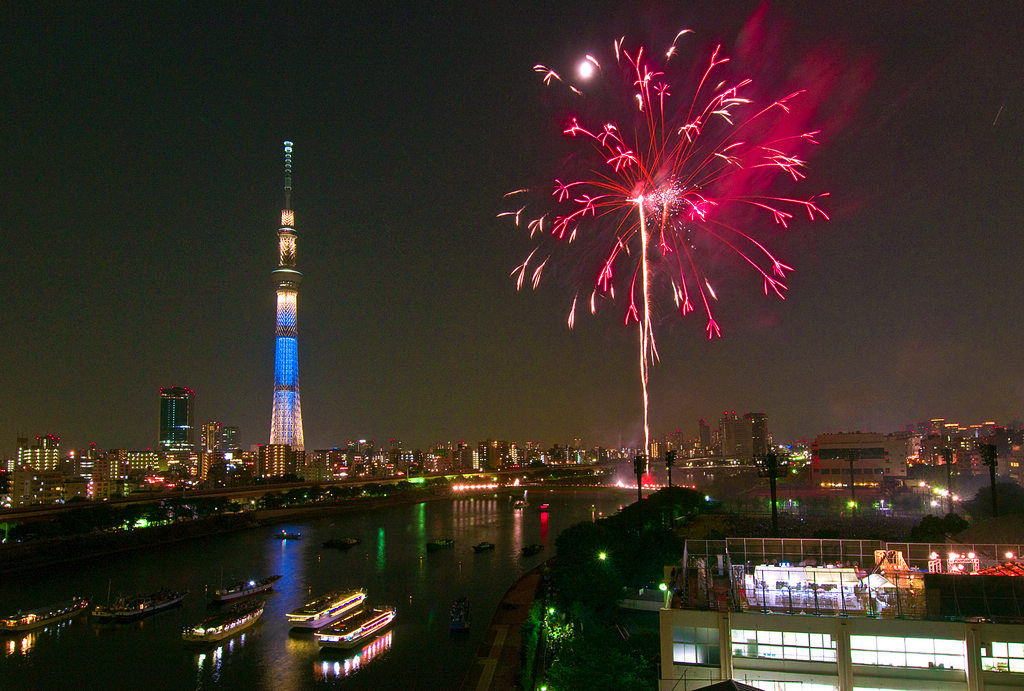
point(142, 177)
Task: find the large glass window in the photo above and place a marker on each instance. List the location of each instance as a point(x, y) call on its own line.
point(897, 651)
point(783, 645)
point(1003, 656)
point(695, 645)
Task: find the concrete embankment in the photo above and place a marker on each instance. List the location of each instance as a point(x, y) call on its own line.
point(497, 662)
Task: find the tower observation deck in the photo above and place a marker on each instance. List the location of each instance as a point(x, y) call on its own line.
point(286, 422)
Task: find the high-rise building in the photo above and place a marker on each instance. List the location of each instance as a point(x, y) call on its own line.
point(286, 421)
point(213, 436)
point(177, 419)
point(229, 438)
point(43, 456)
point(704, 435)
point(736, 437)
point(758, 434)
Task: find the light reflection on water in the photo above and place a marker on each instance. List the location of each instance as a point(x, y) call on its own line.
point(329, 667)
point(391, 563)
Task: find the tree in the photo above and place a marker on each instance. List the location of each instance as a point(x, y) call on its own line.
point(988, 455)
point(670, 460)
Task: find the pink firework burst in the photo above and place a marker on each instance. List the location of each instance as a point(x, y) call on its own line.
point(665, 181)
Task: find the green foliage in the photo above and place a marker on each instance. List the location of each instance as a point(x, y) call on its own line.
point(1010, 496)
point(935, 529)
point(598, 660)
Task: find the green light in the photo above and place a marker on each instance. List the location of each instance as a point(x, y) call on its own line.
point(663, 587)
point(551, 610)
point(602, 556)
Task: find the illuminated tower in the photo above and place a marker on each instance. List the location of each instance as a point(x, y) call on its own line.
point(286, 423)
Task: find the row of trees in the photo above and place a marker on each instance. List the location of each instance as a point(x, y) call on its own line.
point(594, 565)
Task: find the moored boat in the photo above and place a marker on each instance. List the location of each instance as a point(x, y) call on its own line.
point(530, 550)
point(356, 630)
point(342, 542)
point(139, 606)
point(41, 616)
point(458, 616)
point(483, 546)
point(236, 618)
point(240, 589)
point(440, 543)
point(327, 609)
point(283, 535)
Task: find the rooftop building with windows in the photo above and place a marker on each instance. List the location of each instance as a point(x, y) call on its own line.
point(843, 615)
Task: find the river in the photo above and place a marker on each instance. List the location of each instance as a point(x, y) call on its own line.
point(392, 563)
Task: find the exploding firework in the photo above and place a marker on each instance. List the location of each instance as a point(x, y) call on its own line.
point(660, 186)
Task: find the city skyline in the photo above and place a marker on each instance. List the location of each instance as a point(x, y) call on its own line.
point(140, 174)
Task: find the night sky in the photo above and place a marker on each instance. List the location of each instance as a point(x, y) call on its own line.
point(142, 180)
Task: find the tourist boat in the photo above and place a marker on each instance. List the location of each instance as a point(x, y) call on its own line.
point(458, 616)
point(342, 542)
point(37, 618)
point(483, 546)
point(139, 606)
point(241, 589)
point(239, 616)
point(440, 543)
point(521, 503)
point(356, 630)
point(530, 550)
point(283, 535)
point(327, 609)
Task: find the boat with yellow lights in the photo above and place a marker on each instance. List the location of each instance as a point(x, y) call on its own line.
point(227, 622)
point(327, 609)
point(42, 616)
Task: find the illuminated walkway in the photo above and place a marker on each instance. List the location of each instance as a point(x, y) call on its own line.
point(497, 661)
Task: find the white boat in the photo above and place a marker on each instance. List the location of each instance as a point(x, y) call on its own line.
point(327, 609)
point(240, 589)
point(356, 630)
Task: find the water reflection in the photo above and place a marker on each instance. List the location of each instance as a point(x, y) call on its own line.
point(381, 554)
point(330, 668)
point(211, 662)
point(22, 644)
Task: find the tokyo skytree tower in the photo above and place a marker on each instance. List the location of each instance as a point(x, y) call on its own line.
point(286, 424)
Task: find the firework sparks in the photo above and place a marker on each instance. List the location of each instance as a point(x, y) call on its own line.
point(660, 186)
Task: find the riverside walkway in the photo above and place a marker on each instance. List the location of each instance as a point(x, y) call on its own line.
point(497, 661)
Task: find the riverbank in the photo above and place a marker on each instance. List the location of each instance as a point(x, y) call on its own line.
point(36, 554)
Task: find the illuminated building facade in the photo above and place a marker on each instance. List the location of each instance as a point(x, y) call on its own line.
point(871, 460)
point(43, 456)
point(286, 421)
point(177, 419)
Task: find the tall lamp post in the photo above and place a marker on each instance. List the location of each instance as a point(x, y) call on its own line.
point(947, 455)
point(670, 460)
point(639, 465)
point(771, 462)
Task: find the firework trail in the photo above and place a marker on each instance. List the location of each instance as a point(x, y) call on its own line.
point(657, 190)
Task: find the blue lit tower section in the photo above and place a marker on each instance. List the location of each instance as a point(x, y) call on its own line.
point(286, 425)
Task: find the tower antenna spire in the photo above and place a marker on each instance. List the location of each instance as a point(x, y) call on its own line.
point(288, 175)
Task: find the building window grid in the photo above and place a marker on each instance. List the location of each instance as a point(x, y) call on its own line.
point(1006, 656)
point(695, 645)
point(898, 651)
point(784, 645)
